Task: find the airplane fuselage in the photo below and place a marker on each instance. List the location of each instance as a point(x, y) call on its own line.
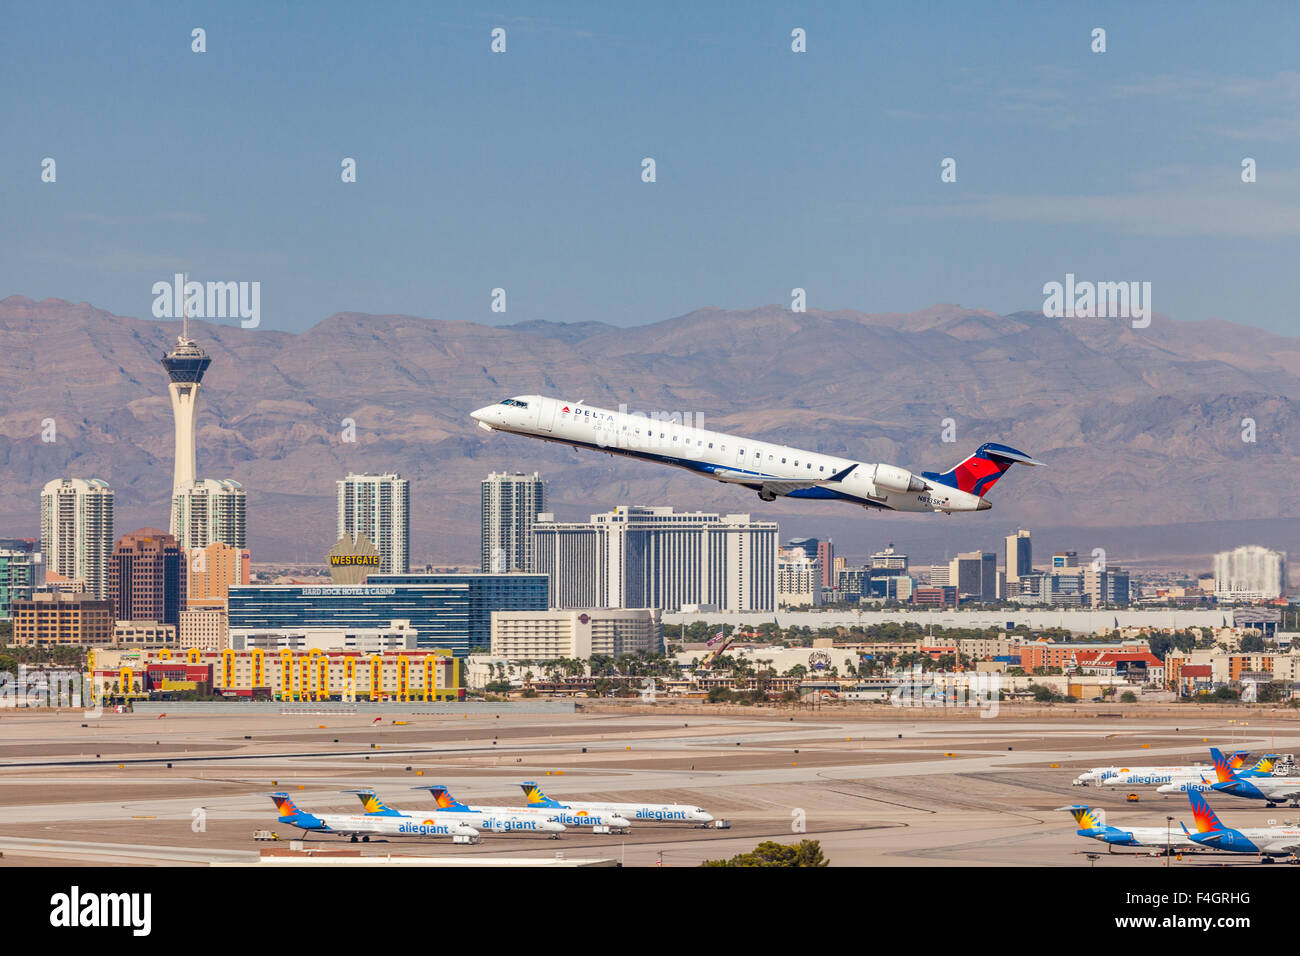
point(354, 824)
point(770, 469)
point(569, 818)
point(643, 812)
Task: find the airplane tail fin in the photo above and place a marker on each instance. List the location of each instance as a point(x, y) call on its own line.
point(1221, 767)
point(980, 472)
point(285, 805)
point(374, 806)
point(1085, 817)
point(1263, 767)
point(1206, 820)
point(535, 796)
point(443, 798)
point(1238, 759)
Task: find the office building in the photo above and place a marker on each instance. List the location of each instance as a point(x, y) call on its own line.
point(817, 550)
point(934, 595)
point(1106, 588)
point(379, 507)
point(1249, 573)
point(1065, 559)
point(147, 577)
point(975, 575)
point(1019, 556)
point(448, 611)
point(212, 571)
point(798, 579)
point(209, 511)
point(77, 531)
point(53, 619)
point(636, 556)
point(889, 560)
point(396, 636)
point(144, 634)
point(510, 505)
point(554, 634)
point(204, 628)
point(18, 578)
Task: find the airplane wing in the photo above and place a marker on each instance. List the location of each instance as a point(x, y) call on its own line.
point(773, 484)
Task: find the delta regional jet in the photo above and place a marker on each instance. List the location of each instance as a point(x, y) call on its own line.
point(771, 470)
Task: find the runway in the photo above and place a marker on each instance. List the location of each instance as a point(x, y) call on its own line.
point(875, 786)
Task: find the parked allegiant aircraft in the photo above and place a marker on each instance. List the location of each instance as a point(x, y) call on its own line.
point(769, 469)
point(492, 822)
point(638, 812)
point(355, 825)
point(1201, 783)
point(1100, 775)
point(1266, 841)
point(1092, 824)
point(1272, 789)
point(1151, 776)
point(570, 818)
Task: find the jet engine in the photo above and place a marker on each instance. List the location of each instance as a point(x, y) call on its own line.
point(893, 478)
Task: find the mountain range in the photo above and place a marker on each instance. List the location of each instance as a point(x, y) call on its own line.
point(1141, 429)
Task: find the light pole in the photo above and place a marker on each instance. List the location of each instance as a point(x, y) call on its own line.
point(1169, 822)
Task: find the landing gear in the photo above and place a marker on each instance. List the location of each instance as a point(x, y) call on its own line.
point(1270, 804)
point(354, 838)
point(365, 839)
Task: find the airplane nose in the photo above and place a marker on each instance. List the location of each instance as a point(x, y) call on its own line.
point(479, 413)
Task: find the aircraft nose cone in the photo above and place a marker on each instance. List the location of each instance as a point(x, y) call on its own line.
point(479, 413)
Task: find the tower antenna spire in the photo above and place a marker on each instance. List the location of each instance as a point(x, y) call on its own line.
point(185, 310)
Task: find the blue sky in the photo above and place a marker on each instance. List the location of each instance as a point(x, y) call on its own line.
point(775, 170)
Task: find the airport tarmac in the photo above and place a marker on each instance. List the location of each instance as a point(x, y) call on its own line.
point(876, 787)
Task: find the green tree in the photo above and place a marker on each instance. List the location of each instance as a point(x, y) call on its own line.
point(805, 853)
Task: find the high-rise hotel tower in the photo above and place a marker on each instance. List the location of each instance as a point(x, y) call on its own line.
point(379, 507)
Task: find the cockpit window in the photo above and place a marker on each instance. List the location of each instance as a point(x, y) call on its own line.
point(514, 403)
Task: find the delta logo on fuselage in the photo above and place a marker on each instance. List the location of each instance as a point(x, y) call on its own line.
point(426, 829)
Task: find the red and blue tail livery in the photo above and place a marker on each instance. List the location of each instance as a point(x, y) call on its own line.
point(980, 472)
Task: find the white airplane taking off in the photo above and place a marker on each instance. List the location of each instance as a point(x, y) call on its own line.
point(768, 469)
